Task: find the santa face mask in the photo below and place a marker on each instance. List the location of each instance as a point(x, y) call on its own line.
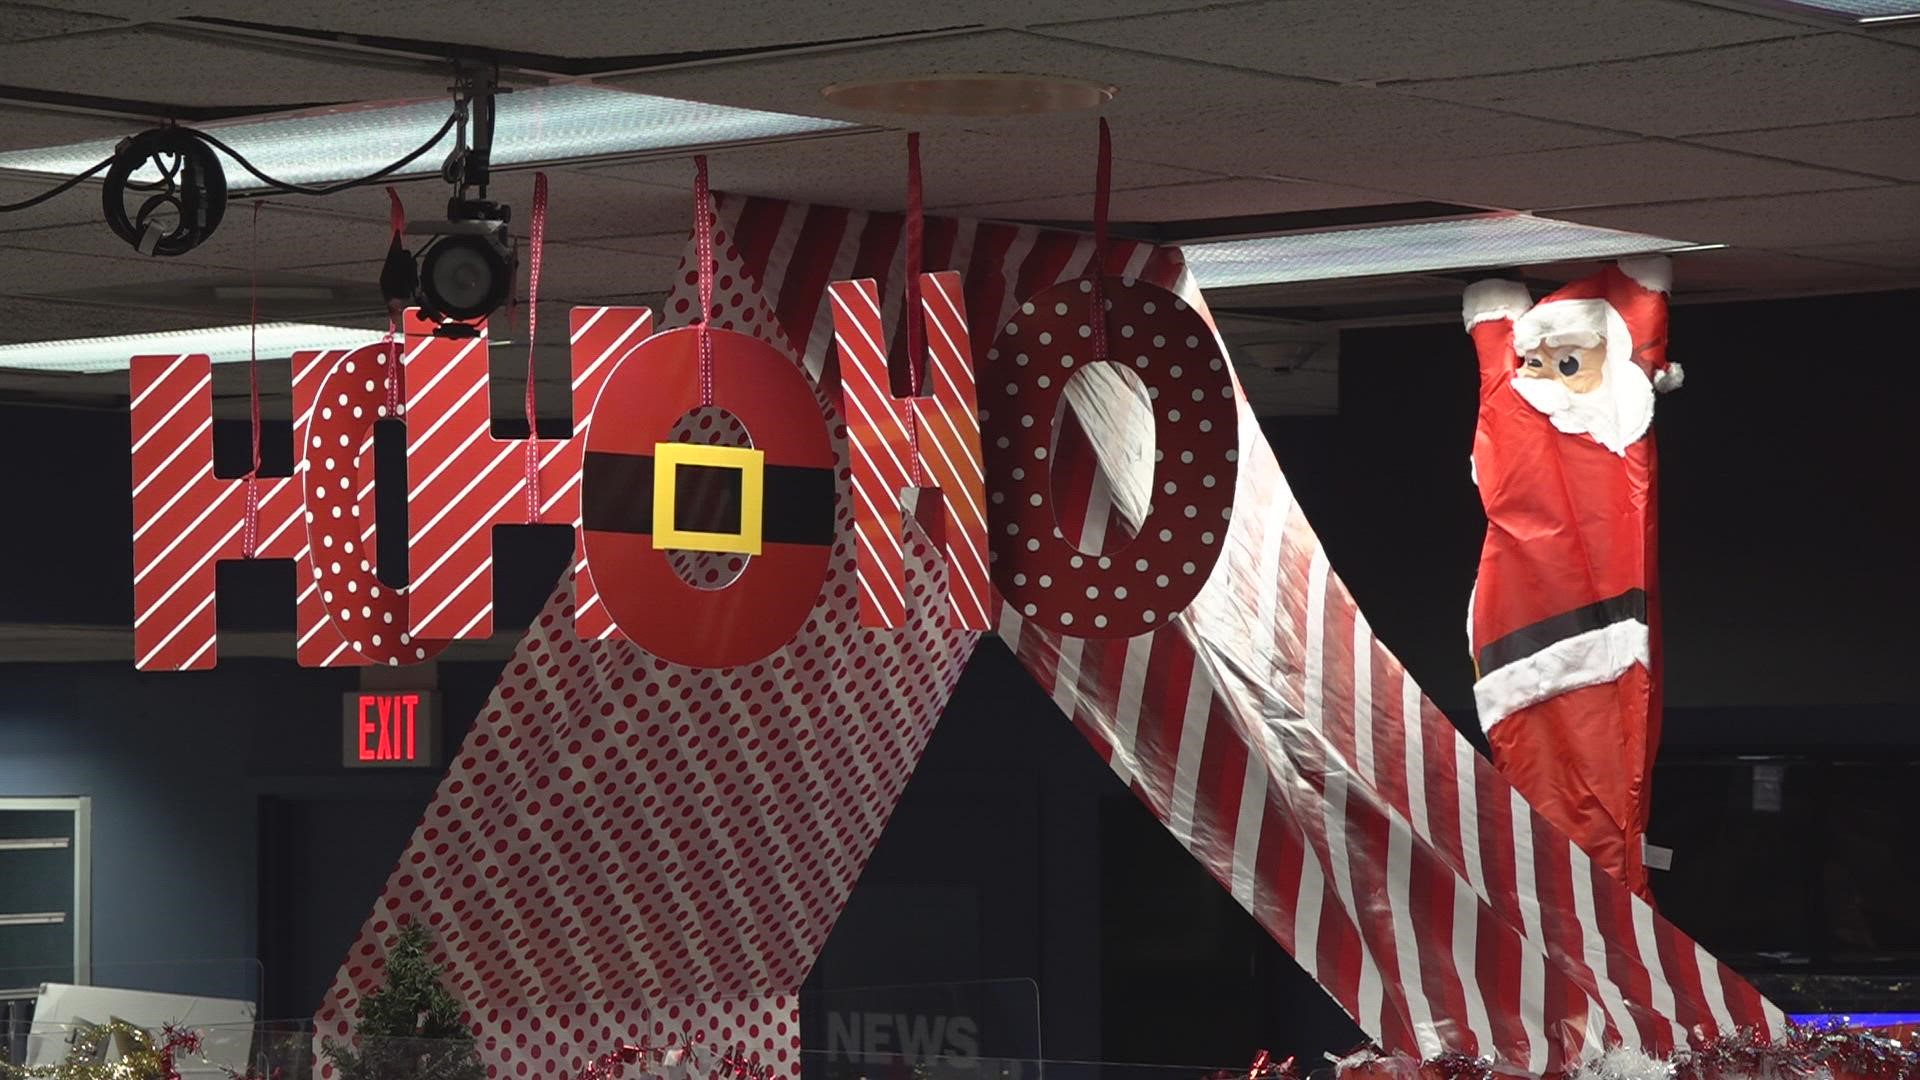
point(1578, 370)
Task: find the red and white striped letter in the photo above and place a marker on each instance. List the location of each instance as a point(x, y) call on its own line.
point(461, 482)
point(600, 337)
point(186, 519)
point(926, 442)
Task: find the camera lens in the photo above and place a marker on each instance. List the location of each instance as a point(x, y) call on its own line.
point(466, 277)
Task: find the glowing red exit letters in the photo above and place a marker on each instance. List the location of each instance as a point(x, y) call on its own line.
point(389, 728)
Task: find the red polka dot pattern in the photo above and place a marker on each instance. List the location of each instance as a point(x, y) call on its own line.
point(338, 480)
point(623, 846)
point(1139, 586)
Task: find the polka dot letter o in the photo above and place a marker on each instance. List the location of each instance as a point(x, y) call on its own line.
point(1173, 351)
point(334, 467)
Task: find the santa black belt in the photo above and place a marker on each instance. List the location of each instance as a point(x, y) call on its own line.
point(617, 497)
point(1629, 606)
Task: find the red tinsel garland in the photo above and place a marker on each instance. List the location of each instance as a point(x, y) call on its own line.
point(1845, 1054)
point(175, 1040)
point(678, 1061)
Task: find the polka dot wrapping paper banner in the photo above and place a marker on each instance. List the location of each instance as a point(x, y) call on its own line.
point(626, 848)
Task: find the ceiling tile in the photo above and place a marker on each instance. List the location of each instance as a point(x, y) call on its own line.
point(1894, 254)
point(29, 319)
point(1181, 202)
point(585, 204)
point(29, 22)
point(1767, 272)
point(1380, 40)
point(573, 274)
point(1822, 78)
point(1888, 147)
point(287, 239)
point(31, 272)
point(869, 171)
point(77, 204)
point(589, 28)
point(665, 244)
point(199, 69)
point(1777, 222)
point(1906, 33)
point(23, 127)
point(1634, 172)
point(1176, 112)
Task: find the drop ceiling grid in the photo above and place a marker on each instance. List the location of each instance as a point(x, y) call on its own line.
point(1216, 100)
point(1380, 41)
point(200, 69)
point(582, 28)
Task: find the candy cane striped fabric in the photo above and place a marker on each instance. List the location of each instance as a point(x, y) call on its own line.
point(1298, 761)
point(1294, 756)
point(186, 519)
point(462, 482)
point(931, 441)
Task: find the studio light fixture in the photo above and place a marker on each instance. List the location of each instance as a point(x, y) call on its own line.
point(223, 344)
point(467, 268)
point(1416, 247)
point(555, 123)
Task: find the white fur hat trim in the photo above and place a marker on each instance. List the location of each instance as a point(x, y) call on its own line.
point(1652, 272)
point(1485, 301)
point(1566, 322)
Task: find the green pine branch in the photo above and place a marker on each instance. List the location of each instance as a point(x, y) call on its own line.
point(410, 1028)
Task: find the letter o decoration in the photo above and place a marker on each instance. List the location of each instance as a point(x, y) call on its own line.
point(1173, 351)
point(786, 488)
point(371, 616)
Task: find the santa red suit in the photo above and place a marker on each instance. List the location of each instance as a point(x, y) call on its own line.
point(1564, 618)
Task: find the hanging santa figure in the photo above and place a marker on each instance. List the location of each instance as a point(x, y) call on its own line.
point(1564, 619)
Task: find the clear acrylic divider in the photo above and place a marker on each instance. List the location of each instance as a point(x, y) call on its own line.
point(39, 1021)
point(925, 1022)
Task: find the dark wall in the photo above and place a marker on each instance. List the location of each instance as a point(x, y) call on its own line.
point(179, 767)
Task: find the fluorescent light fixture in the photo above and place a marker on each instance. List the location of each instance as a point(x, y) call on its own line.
point(224, 344)
point(1864, 11)
point(1417, 247)
point(554, 123)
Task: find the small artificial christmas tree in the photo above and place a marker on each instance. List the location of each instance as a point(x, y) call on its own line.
point(409, 1029)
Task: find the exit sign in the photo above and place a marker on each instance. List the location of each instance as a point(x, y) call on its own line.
point(390, 729)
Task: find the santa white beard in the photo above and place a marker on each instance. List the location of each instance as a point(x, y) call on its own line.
point(1615, 414)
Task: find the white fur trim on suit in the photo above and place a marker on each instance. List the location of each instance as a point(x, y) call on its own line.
point(1485, 301)
point(1654, 272)
point(1669, 378)
point(1589, 659)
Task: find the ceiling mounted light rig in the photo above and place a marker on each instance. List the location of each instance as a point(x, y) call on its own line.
point(466, 271)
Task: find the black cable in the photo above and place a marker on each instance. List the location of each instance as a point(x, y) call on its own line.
point(281, 186)
point(64, 186)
